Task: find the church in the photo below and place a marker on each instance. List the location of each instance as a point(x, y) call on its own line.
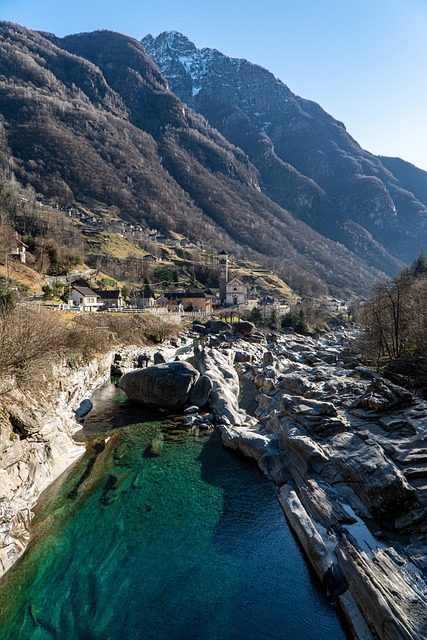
point(233, 291)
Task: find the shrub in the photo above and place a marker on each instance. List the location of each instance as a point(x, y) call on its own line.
point(256, 315)
point(28, 337)
point(31, 339)
point(295, 318)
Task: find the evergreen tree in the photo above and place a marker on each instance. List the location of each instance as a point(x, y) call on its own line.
point(420, 264)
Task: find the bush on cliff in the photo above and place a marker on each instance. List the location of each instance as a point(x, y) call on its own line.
point(31, 339)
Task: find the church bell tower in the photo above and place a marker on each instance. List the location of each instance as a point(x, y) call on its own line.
point(223, 275)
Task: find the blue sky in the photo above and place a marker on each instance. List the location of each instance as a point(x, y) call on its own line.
point(363, 61)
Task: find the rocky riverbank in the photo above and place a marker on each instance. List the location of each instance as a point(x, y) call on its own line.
point(36, 437)
point(36, 444)
point(348, 452)
point(346, 448)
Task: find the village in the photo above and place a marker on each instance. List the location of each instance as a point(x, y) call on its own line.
point(132, 268)
point(232, 292)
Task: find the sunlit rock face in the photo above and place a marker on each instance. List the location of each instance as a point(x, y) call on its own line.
point(37, 445)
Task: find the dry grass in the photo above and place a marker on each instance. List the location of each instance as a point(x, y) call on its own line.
point(30, 339)
point(23, 275)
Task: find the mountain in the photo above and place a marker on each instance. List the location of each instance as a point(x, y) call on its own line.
point(91, 116)
point(307, 161)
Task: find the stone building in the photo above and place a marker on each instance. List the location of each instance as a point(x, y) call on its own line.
point(236, 292)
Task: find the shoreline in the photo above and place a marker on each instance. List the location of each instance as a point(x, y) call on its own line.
point(37, 444)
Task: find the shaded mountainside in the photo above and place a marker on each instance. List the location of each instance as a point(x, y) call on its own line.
point(91, 116)
point(307, 161)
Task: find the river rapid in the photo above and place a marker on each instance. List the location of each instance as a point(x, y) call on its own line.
point(191, 544)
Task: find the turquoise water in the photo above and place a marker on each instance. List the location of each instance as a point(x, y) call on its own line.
point(188, 545)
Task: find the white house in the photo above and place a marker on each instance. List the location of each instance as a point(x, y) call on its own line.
point(19, 249)
point(85, 299)
point(235, 292)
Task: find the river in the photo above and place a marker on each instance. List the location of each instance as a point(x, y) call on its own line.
point(191, 544)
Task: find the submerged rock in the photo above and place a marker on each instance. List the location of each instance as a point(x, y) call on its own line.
point(83, 409)
point(156, 445)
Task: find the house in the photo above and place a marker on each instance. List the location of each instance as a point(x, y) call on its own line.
point(236, 292)
point(144, 299)
point(213, 294)
point(85, 299)
point(19, 249)
point(267, 301)
point(171, 300)
point(196, 301)
point(162, 302)
point(112, 299)
point(189, 301)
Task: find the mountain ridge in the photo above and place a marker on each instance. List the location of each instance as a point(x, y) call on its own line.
point(308, 162)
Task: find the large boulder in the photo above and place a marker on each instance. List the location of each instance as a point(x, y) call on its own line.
point(166, 386)
point(244, 327)
point(159, 358)
point(218, 326)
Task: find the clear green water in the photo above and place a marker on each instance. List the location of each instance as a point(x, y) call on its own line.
point(189, 545)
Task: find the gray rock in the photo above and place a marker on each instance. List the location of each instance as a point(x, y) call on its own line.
point(156, 445)
point(198, 327)
point(241, 356)
point(159, 358)
point(22, 423)
point(218, 326)
point(267, 358)
point(307, 407)
point(116, 371)
point(349, 445)
point(299, 385)
point(142, 360)
point(201, 391)
point(193, 409)
point(165, 385)
point(244, 327)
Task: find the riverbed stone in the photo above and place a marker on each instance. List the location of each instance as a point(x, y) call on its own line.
point(244, 327)
point(345, 436)
point(166, 386)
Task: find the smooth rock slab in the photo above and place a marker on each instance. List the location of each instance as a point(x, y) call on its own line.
point(165, 385)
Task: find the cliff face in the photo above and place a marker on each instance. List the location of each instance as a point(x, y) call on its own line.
point(36, 445)
point(307, 161)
